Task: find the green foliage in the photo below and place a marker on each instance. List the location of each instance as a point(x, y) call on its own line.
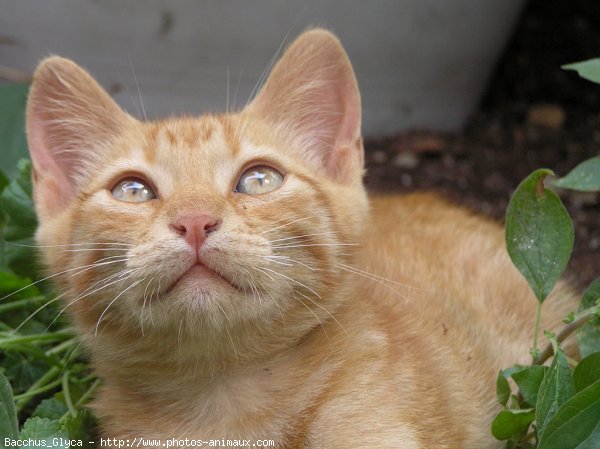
point(510, 423)
point(12, 127)
point(502, 388)
point(42, 429)
point(41, 358)
point(539, 234)
point(565, 402)
point(554, 407)
point(556, 389)
point(529, 380)
point(590, 69)
point(20, 223)
point(587, 372)
point(39, 355)
point(584, 178)
point(8, 415)
point(576, 424)
point(589, 334)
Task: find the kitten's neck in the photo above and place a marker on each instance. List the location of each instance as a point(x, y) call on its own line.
point(119, 351)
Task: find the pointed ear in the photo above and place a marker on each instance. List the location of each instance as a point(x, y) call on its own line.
point(312, 91)
point(71, 120)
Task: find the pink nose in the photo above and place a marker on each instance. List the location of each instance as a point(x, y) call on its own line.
point(195, 228)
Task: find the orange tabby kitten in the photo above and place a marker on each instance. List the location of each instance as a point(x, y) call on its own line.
point(231, 279)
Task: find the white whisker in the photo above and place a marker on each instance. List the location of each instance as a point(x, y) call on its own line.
point(316, 316)
point(36, 311)
point(289, 259)
point(304, 245)
point(294, 281)
point(284, 225)
point(373, 276)
point(84, 294)
point(113, 301)
point(66, 244)
point(326, 311)
point(82, 268)
point(329, 234)
point(137, 85)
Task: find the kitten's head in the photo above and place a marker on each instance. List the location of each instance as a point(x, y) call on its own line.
point(201, 225)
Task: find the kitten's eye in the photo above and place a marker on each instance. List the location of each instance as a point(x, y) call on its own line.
point(133, 190)
point(259, 179)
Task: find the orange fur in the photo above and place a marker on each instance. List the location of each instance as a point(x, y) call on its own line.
point(337, 323)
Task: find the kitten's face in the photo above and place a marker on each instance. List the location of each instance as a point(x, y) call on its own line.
point(195, 225)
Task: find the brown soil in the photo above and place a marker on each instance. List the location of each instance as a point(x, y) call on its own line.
point(534, 115)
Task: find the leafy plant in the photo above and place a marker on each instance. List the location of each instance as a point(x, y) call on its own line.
point(44, 378)
point(555, 407)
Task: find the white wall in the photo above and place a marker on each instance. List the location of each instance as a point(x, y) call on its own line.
point(420, 63)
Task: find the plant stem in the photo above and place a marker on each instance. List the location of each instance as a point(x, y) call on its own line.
point(536, 331)
point(67, 393)
point(30, 393)
point(529, 436)
point(85, 396)
point(580, 319)
point(6, 343)
point(39, 385)
point(62, 346)
point(21, 303)
point(22, 400)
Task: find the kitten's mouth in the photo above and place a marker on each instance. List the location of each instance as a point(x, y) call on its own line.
point(199, 273)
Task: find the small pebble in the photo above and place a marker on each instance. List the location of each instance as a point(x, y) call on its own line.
point(551, 116)
point(379, 157)
point(406, 160)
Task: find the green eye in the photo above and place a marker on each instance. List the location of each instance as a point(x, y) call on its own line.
point(258, 180)
point(133, 190)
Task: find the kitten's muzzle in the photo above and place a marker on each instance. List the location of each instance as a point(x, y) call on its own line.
point(195, 228)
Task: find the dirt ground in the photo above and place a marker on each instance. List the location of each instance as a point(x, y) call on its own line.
point(534, 115)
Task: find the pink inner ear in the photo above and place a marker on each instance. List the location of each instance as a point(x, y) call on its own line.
point(349, 128)
point(312, 91)
point(53, 189)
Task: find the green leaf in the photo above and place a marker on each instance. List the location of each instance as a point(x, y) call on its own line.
point(587, 371)
point(576, 424)
point(8, 414)
point(43, 429)
point(79, 426)
point(502, 389)
point(556, 389)
point(17, 205)
point(512, 423)
point(10, 283)
point(17, 201)
point(585, 177)
point(539, 233)
point(588, 335)
point(589, 70)
point(26, 371)
point(529, 380)
point(4, 181)
point(51, 408)
point(13, 145)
